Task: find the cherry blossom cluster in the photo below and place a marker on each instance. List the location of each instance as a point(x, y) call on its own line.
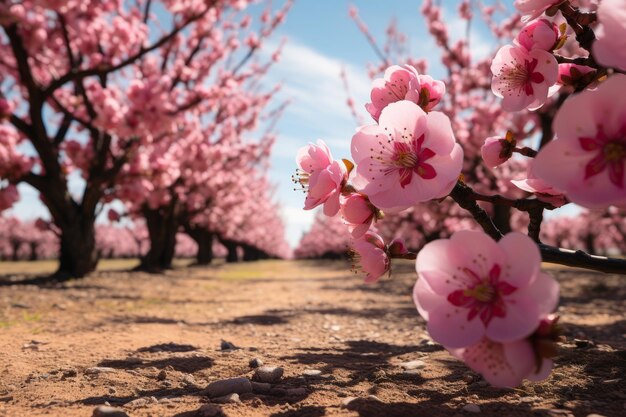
point(482, 293)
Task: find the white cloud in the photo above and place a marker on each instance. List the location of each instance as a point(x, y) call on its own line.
point(298, 221)
point(312, 80)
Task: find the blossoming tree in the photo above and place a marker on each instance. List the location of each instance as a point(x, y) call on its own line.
point(87, 84)
point(482, 293)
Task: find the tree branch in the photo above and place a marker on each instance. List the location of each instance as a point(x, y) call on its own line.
point(582, 259)
point(463, 196)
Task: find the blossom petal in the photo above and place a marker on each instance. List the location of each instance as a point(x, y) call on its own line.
point(523, 259)
point(450, 327)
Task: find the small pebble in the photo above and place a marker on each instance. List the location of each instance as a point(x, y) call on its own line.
point(412, 372)
point(346, 401)
point(296, 392)
point(471, 408)
point(162, 376)
point(417, 364)
point(271, 374)
point(96, 370)
point(189, 380)
point(226, 345)
point(261, 387)
point(209, 410)
point(228, 399)
point(106, 411)
point(69, 373)
point(228, 386)
point(139, 402)
point(255, 363)
point(312, 372)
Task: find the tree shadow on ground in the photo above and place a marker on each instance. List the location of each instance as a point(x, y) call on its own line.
point(156, 393)
point(260, 319)
point(363, 358)
point(187, 365)
point(167, 347)
point(307, 411)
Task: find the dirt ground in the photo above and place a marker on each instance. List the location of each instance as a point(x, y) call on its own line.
point(150, 345)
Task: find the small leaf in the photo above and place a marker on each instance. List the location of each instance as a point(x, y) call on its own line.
point(349, 165)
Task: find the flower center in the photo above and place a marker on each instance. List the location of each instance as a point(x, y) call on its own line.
point(301, 178)
point(484, 293)
point(614, 152)
point(406, 159)
point(610, 154)
point(483, 296)
point(521, 76)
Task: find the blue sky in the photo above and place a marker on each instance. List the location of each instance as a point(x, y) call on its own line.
point(322, 39)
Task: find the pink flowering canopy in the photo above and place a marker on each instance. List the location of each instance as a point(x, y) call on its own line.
point(410, 157)
point(588, 157)
point(474, 287)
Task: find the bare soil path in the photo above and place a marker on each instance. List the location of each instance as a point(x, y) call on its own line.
point(150, 345)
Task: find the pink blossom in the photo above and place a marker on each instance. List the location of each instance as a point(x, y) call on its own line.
point(393, 87)
point(410, 157)
point(586, 160)
point(522, 78)
point(540, 188)
point(397, 248)
point(471, 287)
point(531, 9)
point(538, 34)
point(609, 49)
point(6, 108)
point(504, 364)
point(8, 196)
point(371, 257)
point(426, 92)
point(573, 74)
point(404, 83)
point(321, 177)
point(497, 150)
point(358, 213)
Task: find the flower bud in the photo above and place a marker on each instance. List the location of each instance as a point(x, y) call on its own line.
point(497, 150)
point(539, 34)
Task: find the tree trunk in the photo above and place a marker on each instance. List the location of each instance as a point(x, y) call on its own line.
point(33, 251)
point(15, 246)
point(231, 247)
point(78, 255)
point(249, 253)
point(162, 227)
point(590, 246)
point(204, 240)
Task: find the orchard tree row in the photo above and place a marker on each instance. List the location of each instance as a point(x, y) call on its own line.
point(162, 105)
